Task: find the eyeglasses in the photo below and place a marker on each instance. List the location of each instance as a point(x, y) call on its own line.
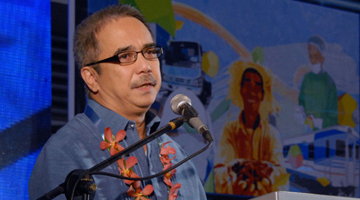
point(129, 57)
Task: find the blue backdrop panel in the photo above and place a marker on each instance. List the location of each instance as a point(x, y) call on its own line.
point(25, 89)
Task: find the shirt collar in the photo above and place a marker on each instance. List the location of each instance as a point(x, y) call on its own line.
point(117, 122)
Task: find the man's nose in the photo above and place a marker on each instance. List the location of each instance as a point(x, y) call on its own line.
point(142, 64)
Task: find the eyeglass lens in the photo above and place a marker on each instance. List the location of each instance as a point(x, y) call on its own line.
point(131, 56)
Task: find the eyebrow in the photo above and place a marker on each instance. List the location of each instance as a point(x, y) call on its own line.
point(149, 45)
point(127, 48)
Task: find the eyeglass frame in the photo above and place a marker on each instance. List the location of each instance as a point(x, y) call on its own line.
point(116, 58)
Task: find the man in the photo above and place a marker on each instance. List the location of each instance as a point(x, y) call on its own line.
point(120, 66)
point(318, 94)
point(249, 160)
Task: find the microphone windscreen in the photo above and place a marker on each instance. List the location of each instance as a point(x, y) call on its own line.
point(177, 101)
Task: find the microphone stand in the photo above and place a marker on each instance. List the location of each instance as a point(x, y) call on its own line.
point(85, 184)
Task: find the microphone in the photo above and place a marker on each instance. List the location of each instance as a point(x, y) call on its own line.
point(181, 105)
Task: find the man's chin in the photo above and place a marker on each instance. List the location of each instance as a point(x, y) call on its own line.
point(145, 100)
point(146, 104)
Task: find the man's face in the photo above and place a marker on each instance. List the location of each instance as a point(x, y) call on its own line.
point(127, 89)
point(315, 55)
point(252, 89)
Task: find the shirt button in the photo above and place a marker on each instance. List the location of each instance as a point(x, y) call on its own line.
point(132, 126)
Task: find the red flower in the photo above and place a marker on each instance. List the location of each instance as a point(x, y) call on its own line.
point(168, 175)
point(125, 168)
point(164, 152)
point(135, 191)
point(115, 147)
point(173, 191)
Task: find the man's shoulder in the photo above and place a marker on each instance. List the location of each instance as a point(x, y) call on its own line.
point(232, 125)
point(77, 123)
point(329, 78)
point(309, 75)
point(71, 130)
point(271, 130)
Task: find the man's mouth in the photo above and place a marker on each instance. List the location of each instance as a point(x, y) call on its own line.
point(145, 81)
point(252, 100)
point(146, 85)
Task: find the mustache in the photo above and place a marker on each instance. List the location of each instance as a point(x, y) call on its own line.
point(147, 79)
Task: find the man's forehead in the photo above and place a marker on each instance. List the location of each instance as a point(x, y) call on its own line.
point(123, 34)
point(313, 48)
point(251, 74)
point(134, 48)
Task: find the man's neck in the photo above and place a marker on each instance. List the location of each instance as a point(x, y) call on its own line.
point(141, 129)
point(136, 114)
point(250, 118)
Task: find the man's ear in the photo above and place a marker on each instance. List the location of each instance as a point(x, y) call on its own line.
point(90, 77)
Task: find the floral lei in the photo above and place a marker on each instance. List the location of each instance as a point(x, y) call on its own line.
point(125, 166)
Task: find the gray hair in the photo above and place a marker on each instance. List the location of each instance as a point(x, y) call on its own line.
point(86, 46)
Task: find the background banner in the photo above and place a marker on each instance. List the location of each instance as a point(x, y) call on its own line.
point(277, 82)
